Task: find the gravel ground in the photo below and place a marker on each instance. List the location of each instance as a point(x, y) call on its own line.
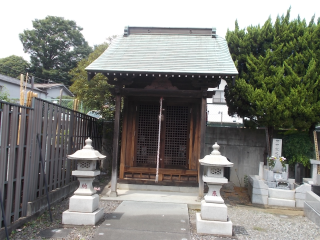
point(248, 222)
point(256, 223)
point(32, 229)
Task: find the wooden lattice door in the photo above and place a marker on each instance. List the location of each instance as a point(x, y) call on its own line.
point(147, 137)
point(174, 136)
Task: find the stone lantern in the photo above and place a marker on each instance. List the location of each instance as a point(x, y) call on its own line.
point(213, 218)
point(84, 204)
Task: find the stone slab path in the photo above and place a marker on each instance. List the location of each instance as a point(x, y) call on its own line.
point(146, 220)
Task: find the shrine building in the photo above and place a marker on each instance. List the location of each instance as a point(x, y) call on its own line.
point(162, 76)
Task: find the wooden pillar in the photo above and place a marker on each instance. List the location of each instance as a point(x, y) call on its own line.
point(114, 175)
point(202, 143)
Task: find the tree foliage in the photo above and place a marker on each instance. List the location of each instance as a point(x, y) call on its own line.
point(4, 95)
point(298, 148)
point(13, 66)
point(95, 94)
point(55, 46)
point(278, 83)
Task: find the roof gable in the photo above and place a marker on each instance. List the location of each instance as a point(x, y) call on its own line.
point(7, 79)
point(48, 86)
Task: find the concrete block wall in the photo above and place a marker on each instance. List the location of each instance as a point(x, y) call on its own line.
point(245, 148)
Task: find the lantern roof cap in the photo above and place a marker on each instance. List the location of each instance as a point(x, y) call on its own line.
point(87, 153)
point(215, 158)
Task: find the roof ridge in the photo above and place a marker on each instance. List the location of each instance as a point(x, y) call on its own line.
point(169, 31)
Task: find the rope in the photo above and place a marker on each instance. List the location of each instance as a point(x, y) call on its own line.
point(158, 152)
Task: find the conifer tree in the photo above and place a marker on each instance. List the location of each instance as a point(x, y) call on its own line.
point(278, 83)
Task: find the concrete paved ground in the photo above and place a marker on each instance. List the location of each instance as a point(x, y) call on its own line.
point(146, 220)
point(154, 193)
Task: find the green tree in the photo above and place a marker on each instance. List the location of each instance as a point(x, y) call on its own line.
point(278, 84)
point(13, 66)
point(4, 95)
point(55, 46)
point(95, 94)
point(298, 148)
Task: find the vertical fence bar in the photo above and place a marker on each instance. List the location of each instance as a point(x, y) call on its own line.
point(11, 161)
point(3, 216)
point(43, 140)
point(70, 145)
point(65, 146)
point(44, 178)
point(3, 149)
point(57, 179)
point(19, 162)
point(76, 133)
point(28, 165)
point(50, 143)
point(35, 153)
point(57, 145)
point(53, 143)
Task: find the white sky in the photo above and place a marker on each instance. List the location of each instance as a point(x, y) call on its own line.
point(102, 18)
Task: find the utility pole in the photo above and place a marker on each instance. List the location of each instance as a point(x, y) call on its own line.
point(220, 112)
point(32, 83)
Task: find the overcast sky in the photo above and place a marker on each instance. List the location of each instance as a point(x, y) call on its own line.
point(102, 18)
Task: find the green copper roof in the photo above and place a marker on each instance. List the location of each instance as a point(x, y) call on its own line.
point(166, 53)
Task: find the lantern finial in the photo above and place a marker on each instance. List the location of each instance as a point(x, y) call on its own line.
point(215, 149)
point(88, 144)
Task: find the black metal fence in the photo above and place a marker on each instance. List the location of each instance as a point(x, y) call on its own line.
point(61, 131)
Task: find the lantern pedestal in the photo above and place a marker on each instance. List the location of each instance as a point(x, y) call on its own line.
point(213, 218)
point(84, 204)
point(213, 227)
point(81, 218)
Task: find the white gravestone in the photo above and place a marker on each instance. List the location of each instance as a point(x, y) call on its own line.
point(276, 151)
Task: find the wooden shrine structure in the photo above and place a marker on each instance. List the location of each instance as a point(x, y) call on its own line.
point(163, 76)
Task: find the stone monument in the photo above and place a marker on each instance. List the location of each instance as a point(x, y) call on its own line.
point(84, 204)
point(213, 218)
point(315, 176)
